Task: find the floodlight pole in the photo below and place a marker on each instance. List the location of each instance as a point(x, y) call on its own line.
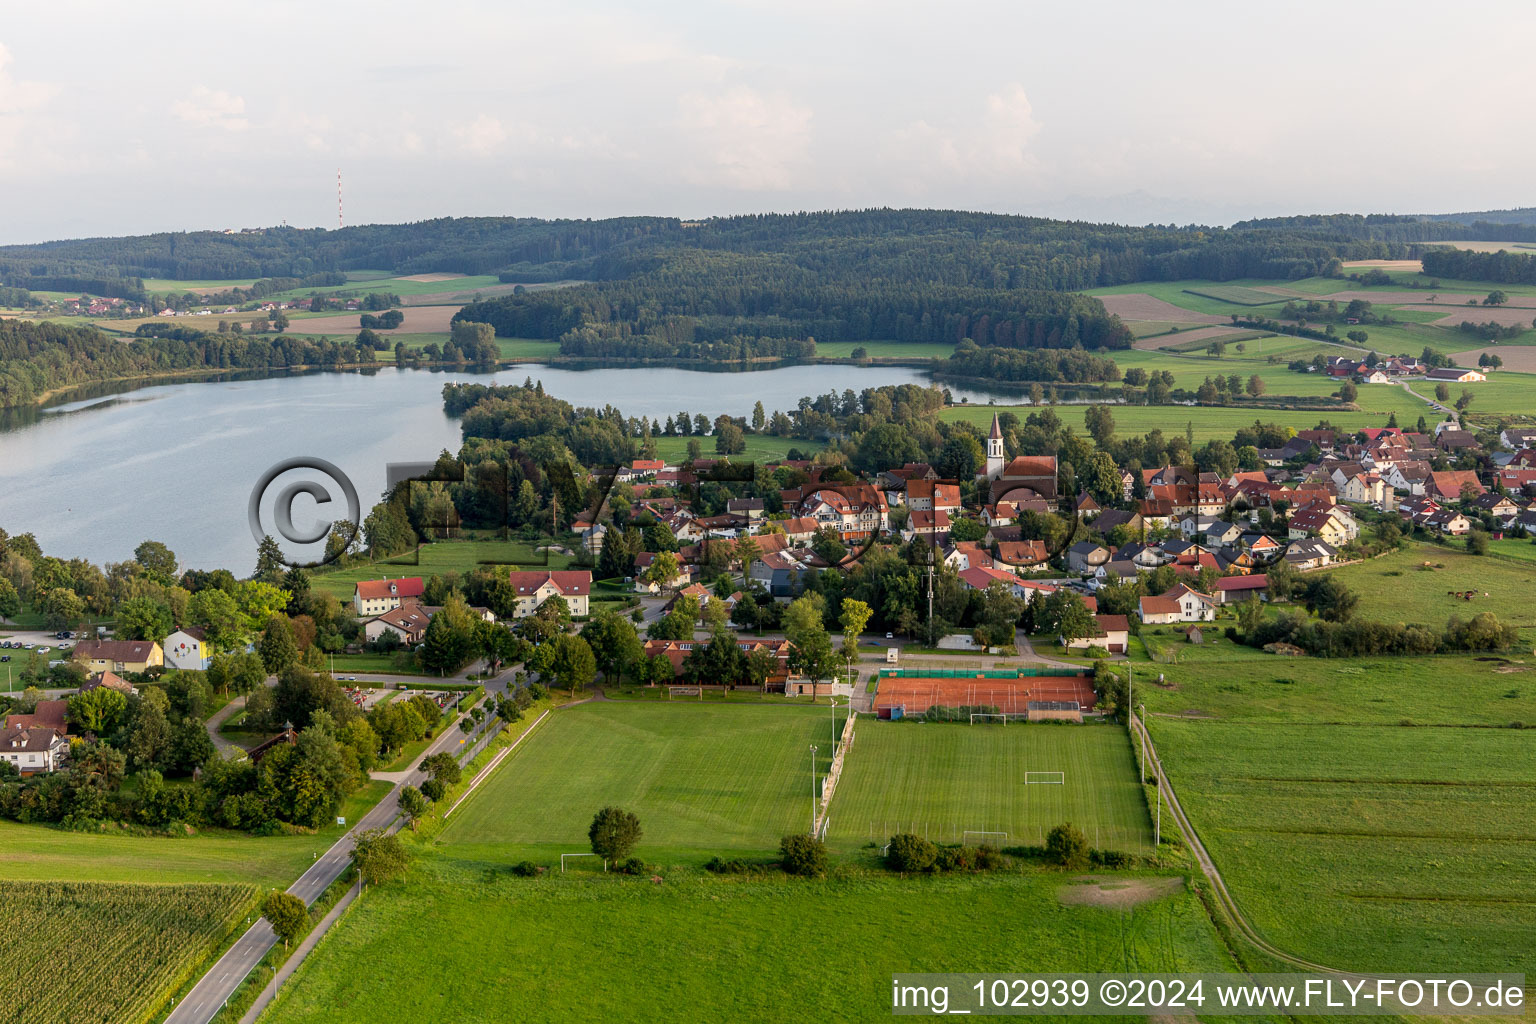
point(1143, 744)
point(813, 790)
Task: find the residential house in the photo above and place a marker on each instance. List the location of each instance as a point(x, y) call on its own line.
point(1022, 554)
point(1518, 437)
point(1495, 504)
point(1113, 635)
point(1448, 521)
point(979, 577)
point(375, 597)
point(1449, 485)
point(749, 508)
point(643, 562)
point(534, 587)
point(188, 648)
point(408, 622)
point(1085, 556)
point(119, 655)
point(933, 496)
point(111, 681)
point(965, 555)
point(1332, 524)
point(856, 511)
point(1108, 521)
point(778, 572)
point(1453, 441)
point(931, 526)
point(1310, 553)
point(33, 750)
point(1182, 603)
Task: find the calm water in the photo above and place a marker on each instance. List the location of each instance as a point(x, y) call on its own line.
point(177, 463)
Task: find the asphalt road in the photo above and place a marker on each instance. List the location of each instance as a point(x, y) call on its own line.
point(210, 994)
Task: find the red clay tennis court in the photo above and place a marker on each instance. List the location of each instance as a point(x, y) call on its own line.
point(1009, 696)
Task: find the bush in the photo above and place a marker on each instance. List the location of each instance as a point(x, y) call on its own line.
point(953, 858)
point(1110, 858)
point(734, 866)
point(910, 853)
point(634, 866)
point(989, 858)
point(525, 869)
point(803, 855)
point(1066, 846)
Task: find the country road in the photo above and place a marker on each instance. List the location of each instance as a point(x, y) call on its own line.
point(221, 981)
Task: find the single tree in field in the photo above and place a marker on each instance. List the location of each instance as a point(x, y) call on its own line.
point(287, 914)
point(855, 616)
point(1068, 847)
point(614, 833)
point(412, 804)
point(378, 856)
point(1255, 386)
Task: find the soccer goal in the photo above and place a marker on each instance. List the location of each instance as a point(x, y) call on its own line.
point(987, 838)
point(981, 716)
point(1045, 778)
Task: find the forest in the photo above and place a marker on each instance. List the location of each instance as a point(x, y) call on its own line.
point(1503, 267)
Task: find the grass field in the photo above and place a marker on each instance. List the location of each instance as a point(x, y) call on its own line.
point(452, 943)
point(1236, 294)
point(1377, 847)
point(704, 778)
point(939, 780)
point(54, 964)
point(760, 448)
point(39, 853)
point(1398, 588)
point(437, 559)
point(1208, 422)
point(885, 349)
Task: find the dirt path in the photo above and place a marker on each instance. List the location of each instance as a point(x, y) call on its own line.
point(225, 747)
point(1208, 866)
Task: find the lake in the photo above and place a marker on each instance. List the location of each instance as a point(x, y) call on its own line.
point(94, 477)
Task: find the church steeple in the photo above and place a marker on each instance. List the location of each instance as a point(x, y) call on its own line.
point(995, 449)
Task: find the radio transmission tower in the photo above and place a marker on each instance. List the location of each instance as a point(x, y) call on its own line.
point(338, 199)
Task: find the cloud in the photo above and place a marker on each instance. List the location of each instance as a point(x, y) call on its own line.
point(1011, 125)
point(210, 108)
point(19, 101)
point(984, 144)
point(482, 136)
point(746, 139)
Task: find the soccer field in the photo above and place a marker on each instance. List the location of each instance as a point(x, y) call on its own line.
point(702, 778)
point(940, 780)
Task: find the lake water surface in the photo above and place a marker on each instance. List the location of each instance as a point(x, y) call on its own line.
point(177, 462)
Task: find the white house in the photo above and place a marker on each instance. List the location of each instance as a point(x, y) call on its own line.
point(533, 588)
point(1178, 604)
point(408, 622)
point(188, 648)
point(375, 597)
point(34, 749)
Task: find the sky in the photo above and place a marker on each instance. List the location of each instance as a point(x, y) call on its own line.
point(170, 115)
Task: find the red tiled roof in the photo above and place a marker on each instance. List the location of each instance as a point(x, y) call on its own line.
point(406, 586)
point(569, 582)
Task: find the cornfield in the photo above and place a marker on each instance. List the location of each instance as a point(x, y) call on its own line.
point(106, 953)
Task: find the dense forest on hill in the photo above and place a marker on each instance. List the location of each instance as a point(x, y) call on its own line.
point(957, 248)
point(1493, 226)
point(1503, 267)
point(38, 357)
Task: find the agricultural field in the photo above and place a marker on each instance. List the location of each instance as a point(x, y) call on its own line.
point(1236, 294)
point(437, 559)
point(1415, 585)
point(42, 853)
point(704, 779)
point(760, 448)
point(458, 940)
point(885, 349)
point(1207, 422)
point(80, 951)
point(1374, 847)
point(942, 779)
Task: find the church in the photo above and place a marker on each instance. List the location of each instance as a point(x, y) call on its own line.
point(1027, 476)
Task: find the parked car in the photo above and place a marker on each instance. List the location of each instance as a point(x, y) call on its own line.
point(5, 657)
point(44, 650)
